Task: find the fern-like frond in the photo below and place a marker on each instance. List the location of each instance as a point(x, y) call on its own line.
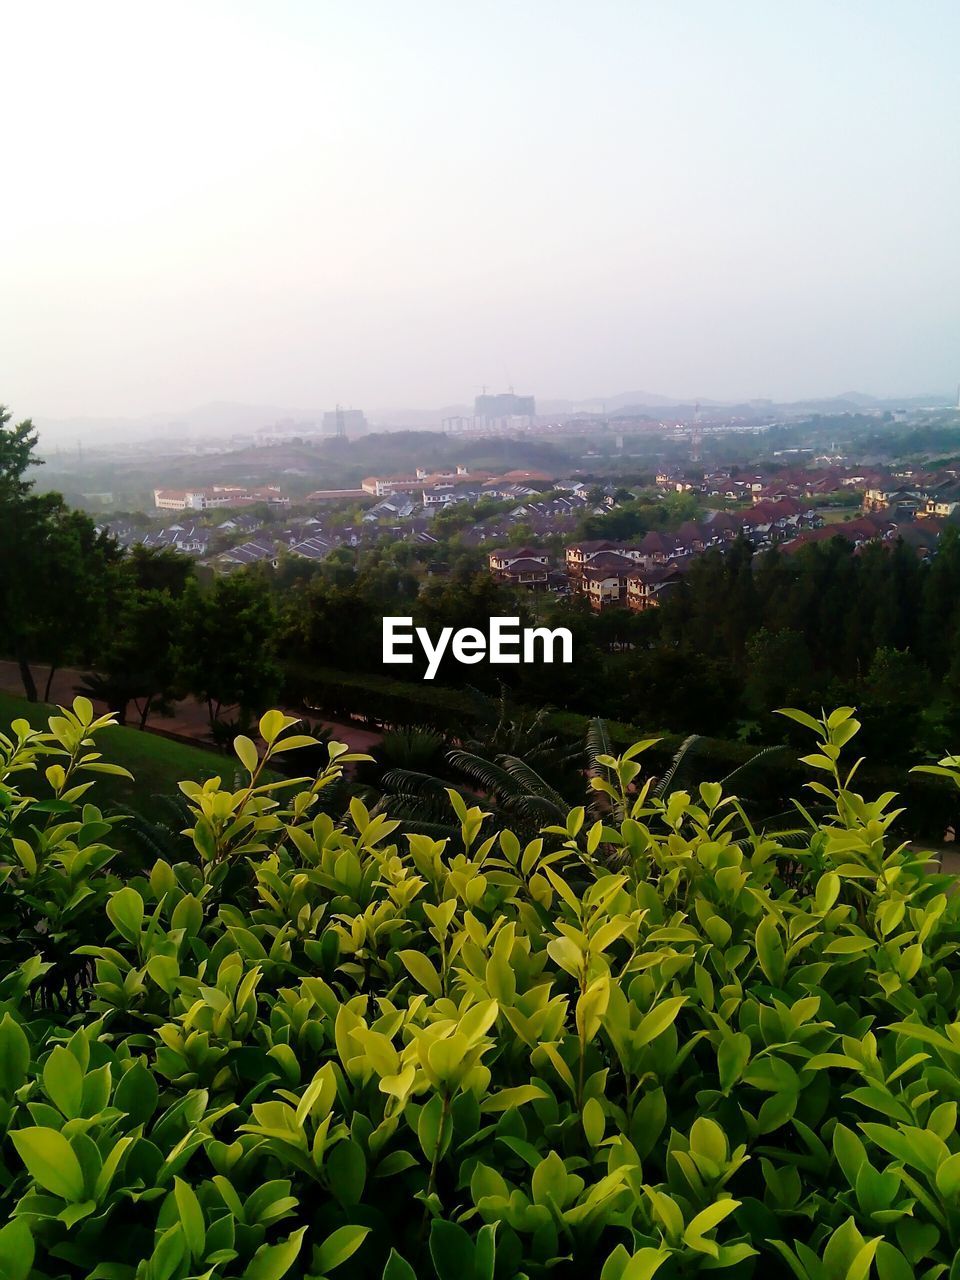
point(681, 758)
point(753, 761)
point(488, 775)
point(534, 786)
point(598, 742)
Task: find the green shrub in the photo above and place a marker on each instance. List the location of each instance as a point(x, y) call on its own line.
point(627, 1048)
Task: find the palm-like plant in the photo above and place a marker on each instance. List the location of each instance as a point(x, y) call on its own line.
point(530, 798)
point(530, 791)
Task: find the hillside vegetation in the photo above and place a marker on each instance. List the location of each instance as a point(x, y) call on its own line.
point(650, 1041)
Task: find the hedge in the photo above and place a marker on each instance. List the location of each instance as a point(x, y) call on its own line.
point(646, 1043)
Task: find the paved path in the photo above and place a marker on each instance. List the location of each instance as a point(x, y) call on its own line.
point(189, 718)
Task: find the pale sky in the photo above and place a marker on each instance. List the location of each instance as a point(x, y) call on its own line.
point(395, 202)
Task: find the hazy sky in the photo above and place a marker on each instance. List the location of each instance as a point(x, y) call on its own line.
point(394, 202)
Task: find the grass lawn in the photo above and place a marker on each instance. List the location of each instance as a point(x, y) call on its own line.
point(838, 515)
point(156, 763)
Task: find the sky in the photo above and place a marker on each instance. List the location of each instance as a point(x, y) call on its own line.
point(399, 202)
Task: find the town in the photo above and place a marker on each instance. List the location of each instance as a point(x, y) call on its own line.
point(528, 540)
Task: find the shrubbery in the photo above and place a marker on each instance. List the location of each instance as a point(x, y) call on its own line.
point(632, 1047)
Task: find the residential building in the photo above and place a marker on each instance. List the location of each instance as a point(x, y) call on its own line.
point(218, 495)
point(312, 548)
point(579, 553)
point(604, 588)
point(501, 559)
point(647, 588)
point(944, 500)
point(247, 553)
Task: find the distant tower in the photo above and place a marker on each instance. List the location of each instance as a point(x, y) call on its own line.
point(341, 428)
point(696, 436)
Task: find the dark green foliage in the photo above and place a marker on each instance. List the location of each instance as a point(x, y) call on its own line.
point(54, 568)
point(225, 651)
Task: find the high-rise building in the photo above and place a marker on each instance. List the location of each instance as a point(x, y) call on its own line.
point(494, 408)
point(345, 422)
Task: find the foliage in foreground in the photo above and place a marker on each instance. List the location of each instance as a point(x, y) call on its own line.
point(633, 1046)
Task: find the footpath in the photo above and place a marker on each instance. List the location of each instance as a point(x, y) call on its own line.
point(189, 721)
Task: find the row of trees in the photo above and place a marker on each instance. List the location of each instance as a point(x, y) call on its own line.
point(742, 634)
point(70, 597)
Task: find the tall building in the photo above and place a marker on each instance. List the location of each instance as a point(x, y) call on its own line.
point(345, 422)
point(495, 408)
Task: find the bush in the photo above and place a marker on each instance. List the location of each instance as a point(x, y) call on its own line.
point(634, 1046)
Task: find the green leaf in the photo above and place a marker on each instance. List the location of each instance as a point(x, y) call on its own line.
point(451, 1250)
point(732, 1057)
point(191, 1218)
point(50, 1161)
point(272, 1261)
point(849, 946)
point(14, 1055)
point(346, 1167)
point(485, 1252)
point(114, 770)
point(125, 909)
point(63, 1082)
point(770, 952)
point(707, 1219)
point(828, 890)
point(948, 1177)
point(850, 1152)
point(165, 971)
point(422, 970)
point(801, 717)
point(294, 743)
point(24, 851)
point(658, 1019)
point(594, 1121)
point(429, 1124)
point(272, 724)
point(16, 1250)
point(644, 1264)
point(338, 1247)
point(397, 1268)
point(137, 1093)
point(891, 1264)
point(615, 1264)
point(515, 1096)
point(246, 753)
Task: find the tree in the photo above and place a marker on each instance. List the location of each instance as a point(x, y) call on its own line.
point(158, 569)
point(54, 570)
point(17, 445)
point(894, 691)
point(779, 671)
point(138, 663)
point(225, 651)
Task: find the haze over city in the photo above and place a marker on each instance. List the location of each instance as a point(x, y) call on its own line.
point(395, 205)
